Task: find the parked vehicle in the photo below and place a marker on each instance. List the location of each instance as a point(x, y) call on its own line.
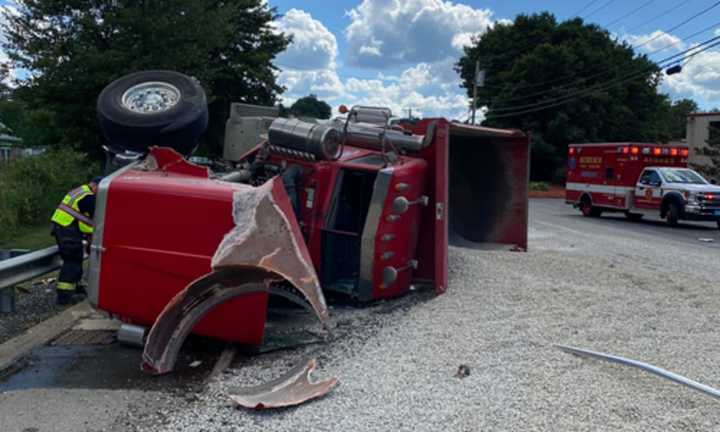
point(638, 180)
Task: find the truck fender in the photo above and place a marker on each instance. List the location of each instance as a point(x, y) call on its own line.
point(671, 197)
point(190, 305)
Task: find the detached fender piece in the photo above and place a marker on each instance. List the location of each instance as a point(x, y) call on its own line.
point(293, 388)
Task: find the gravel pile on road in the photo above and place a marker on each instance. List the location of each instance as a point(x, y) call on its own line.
point(629, 295)
point(34, 304)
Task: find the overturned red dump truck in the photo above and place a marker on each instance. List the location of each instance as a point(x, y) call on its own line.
point(360, 206)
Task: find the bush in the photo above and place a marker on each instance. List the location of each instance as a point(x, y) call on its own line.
point(31, 188)
point(539, 186)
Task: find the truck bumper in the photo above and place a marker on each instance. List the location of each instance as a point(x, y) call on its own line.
point(702, 213)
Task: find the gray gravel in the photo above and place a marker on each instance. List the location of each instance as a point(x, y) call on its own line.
point(598, 287)
point(34, 304)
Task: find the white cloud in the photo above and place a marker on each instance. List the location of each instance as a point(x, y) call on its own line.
point(656, 41)
point(717, 32)
point(313, 47)
point(700, 78)
point(390, 33)
point(430, 88)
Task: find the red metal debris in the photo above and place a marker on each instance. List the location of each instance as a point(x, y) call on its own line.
point(291, 389)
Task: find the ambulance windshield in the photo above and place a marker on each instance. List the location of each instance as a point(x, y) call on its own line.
point(679, 175)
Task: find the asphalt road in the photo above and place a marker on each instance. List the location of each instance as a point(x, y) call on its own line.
point(555, 213)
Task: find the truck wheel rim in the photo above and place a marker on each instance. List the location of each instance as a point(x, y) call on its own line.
point(150, 97)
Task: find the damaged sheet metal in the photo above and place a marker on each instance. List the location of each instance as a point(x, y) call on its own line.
point(188, 307)
point(265, 247)
point(646, 367)
point(291, 389)
point(267, 236)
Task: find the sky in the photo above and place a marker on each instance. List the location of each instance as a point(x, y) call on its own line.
point(400, 53)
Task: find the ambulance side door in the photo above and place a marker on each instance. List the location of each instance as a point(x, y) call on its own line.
point(648, 190)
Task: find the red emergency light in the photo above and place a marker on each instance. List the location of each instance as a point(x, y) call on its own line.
point(635, 150)
point(572, 150)
point(673, 152)
point(684, 152)
point(709, 197)
point(626, 150)
point(657, 151)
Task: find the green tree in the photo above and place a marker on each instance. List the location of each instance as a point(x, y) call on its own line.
point(678, 112)
point(74, 48)
point(711, 170)
point(310, 106)
point(535, 61)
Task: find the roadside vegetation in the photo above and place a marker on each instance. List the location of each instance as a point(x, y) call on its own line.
point(31, 188)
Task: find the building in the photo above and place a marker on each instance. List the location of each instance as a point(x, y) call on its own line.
point(698, 132)
point(8, 147)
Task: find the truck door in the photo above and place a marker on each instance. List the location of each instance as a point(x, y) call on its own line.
point(648, 190)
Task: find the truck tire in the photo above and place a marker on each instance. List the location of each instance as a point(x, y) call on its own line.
point(673, 214)
point(144, 109)
point(587, 209)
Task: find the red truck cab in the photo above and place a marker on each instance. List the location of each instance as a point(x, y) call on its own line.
point(639, 179)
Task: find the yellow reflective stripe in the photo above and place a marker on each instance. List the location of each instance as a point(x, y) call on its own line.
point(65, 286)
point(61, 218)
point(69, 210)
point(85, 229)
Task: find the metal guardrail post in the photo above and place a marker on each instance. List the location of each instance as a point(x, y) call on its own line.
point(22, 268)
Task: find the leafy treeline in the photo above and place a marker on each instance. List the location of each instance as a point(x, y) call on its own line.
point(76, 47)
point(537, 61)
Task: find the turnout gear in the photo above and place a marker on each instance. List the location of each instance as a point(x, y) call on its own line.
point(69, 210)
point(72, 222)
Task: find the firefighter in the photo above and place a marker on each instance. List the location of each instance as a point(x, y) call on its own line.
point(73, 223)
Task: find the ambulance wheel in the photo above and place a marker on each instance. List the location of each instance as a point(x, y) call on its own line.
point(587, 209)
point(673, 214)
point(150, 108)
point(633, 216)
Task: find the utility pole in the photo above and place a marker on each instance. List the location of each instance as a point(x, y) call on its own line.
point(478, 81)
point(409, 110)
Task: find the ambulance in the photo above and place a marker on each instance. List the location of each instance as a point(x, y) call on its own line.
point(639, 179)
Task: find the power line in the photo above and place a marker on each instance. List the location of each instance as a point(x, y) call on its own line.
point(702, 12)
point(634, 47)
point(605, 72)
point(592, 2)
point(599, 9)
point(667, 61)
point(664, 14)
point(588, 92)
point(631, 13)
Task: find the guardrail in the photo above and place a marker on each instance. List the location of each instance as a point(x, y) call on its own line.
point(23, 268)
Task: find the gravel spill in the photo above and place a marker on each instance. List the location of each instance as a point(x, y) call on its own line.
point(33, 304)
point(634, 295)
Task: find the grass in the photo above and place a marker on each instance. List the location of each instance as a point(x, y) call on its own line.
point(539, 186)
point(35, 237)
